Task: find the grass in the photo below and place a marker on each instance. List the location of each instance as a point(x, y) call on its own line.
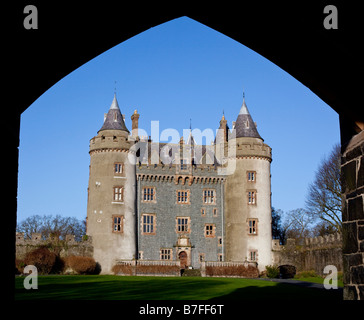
point(108, 287)
point(319, 280)
point(311, 276)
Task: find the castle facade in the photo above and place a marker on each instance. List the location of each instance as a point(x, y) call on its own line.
point(184, 201)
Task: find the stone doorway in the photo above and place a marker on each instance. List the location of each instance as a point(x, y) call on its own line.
point(182, 256)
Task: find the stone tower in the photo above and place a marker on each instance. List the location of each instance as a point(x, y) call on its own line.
point(111, 219)
point(248, 195)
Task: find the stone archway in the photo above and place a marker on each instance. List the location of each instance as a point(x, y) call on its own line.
point(328, 62)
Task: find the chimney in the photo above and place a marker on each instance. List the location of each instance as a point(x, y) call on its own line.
point(134, 125)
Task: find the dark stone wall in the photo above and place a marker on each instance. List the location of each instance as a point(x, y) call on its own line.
point(315, 254)
point(352, 181)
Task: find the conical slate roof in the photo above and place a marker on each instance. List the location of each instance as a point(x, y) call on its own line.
point(114, 120)
point(244, 125)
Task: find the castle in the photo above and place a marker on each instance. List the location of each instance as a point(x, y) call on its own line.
point(181, 202)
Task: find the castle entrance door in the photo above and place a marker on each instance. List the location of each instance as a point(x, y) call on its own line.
point(183, 259)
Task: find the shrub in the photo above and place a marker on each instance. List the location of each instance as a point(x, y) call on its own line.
point(272, 271)
point(19, 266)
point(81, 265)
point(234, 270)
point(122, 269)
point(125, 269)
point(43, 259)
point(306, 274)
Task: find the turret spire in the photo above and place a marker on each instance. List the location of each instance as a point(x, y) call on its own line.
point(244, 125)
point(114, 119)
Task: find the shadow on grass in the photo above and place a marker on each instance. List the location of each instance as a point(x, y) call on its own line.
point(154, 288)
point(123, 288)
point(282, 292)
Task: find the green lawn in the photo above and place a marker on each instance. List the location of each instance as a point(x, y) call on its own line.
point(108, 287)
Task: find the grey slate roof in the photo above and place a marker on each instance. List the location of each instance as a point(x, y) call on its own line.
point(244, 125)
point(114, 120)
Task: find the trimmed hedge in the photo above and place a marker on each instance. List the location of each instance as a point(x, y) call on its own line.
point(43, 259)
point(125, 269)
point(81, 265)
point(232, 271)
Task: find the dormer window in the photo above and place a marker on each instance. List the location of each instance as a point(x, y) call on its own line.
point(247, 123)
point(115, 117)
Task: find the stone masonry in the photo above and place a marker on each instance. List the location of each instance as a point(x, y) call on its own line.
point(314, 254)
point(67, 247)
point(352, 170)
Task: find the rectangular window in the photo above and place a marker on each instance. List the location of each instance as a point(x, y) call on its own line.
point(203, 212)
point(252, 197)
point(210, 230)
point(183, 224)
point(209, 196)
point(117, 224)
point(148, 224)
point(253, 226)
point(149, 194)
point(118, 194)
point(166, 254)
point(219, 257)
point(219, 241)
point(201, 257)
point(214, 212)
point(183, 196)
point(251, 176)
point(118, 168)
point(253, 255)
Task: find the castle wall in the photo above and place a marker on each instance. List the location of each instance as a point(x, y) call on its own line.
point(166, 210)
point(65, 248)
point(313, 254)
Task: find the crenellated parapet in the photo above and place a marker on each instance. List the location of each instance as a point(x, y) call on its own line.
point(63, 247)
point(111, 140)
point(36, 239)
point(327, 241)
point(311, 254)
point(251, 148)
point(331, 240)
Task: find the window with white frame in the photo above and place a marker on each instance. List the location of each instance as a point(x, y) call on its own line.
point(148, 194)
point(166, 254)
point(118, 193)
point(148, 224)
point(209, 196)
point(252, 197)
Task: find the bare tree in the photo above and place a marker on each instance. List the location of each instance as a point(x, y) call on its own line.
point(47, 225)
point(30, 225)
point(324, 194)
point(298, 224)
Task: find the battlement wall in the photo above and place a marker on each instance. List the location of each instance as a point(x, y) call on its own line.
point(111, 141)
point(312, 254)
point(253, 149)
point(327, 241)
point(67, 247)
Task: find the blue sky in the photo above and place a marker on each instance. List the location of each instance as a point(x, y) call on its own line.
point(171, 73)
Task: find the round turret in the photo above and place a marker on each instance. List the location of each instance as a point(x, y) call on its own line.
point(248, 195)
point(111, 192)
